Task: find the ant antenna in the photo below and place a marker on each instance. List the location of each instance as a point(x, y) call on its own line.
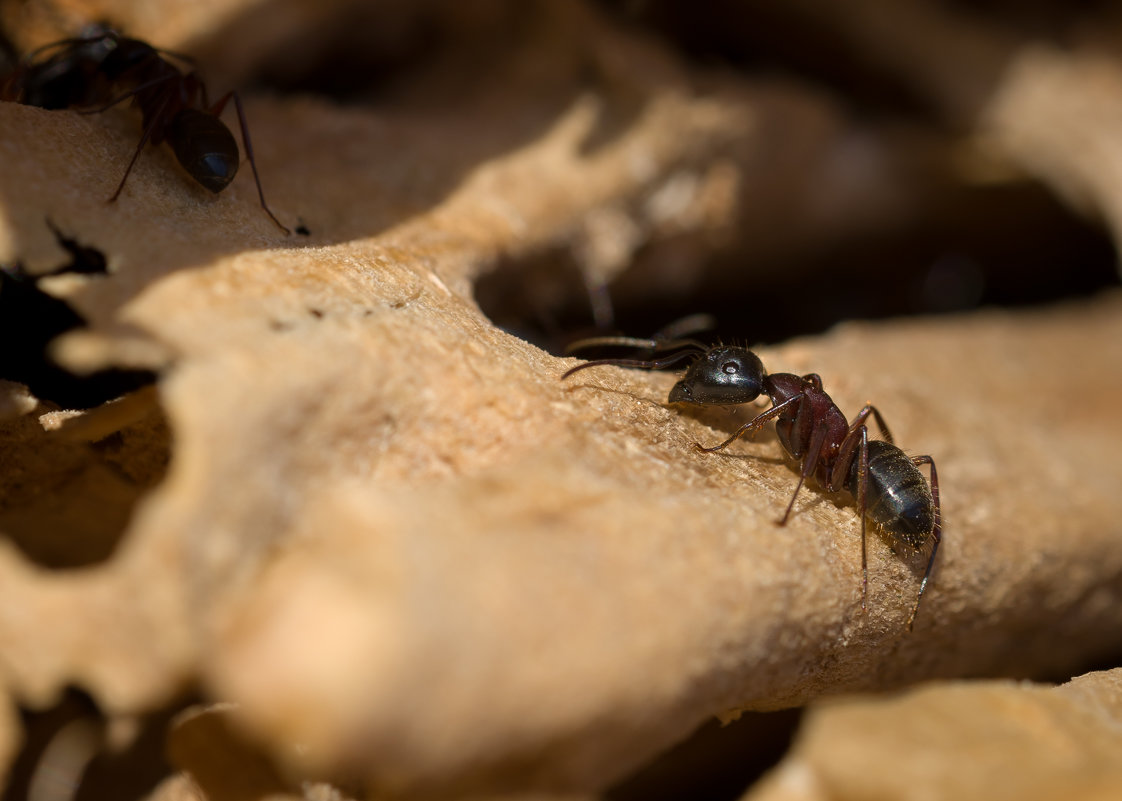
point(646, 364)
point(671, 339)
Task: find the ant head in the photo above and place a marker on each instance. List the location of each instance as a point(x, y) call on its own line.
point(724, 375)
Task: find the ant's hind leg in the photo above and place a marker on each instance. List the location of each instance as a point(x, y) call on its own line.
point(216, 109)
point(862, 509)
point(936, 532)
point(156, 120)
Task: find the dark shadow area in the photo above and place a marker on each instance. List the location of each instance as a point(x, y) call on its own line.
point(1009, 246)
point(30, 319)
point(820, 46)
point(544, 299)
point(67, 497)
point(83, 260)
point(716, 763)
point(9, 57)
point(764, 38)
point(362, 57)
point(69, 753)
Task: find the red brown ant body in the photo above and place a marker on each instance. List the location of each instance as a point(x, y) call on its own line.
point(107, 69)
point(885, 481)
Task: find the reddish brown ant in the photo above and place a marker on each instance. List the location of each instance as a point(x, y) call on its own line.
point(885, 481)
point(108, 69)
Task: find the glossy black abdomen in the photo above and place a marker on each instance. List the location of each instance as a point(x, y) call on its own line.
point(897, 497)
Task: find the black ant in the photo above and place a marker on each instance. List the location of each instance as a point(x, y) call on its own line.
point(886, 482)
point(107, 69)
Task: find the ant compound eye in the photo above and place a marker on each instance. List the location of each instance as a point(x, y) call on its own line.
point(730, 368)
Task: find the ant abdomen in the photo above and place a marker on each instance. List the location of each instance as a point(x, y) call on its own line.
point(897, 498)
point(205, 147)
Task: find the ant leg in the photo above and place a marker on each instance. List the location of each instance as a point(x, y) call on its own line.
point(131, 93)
point(863, 415)
point(856, 444)
point(810, 461)
point(862, 507)
point(216, 110)
point(816, 381)
point(936, 532)
point(752, 426)
point(156, 120)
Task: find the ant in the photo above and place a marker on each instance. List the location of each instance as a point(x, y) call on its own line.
point(108, 69)
point(886, 482)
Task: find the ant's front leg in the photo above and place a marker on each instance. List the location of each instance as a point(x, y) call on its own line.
point(752, 426)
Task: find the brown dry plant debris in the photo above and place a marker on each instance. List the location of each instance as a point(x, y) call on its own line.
point(417, 561)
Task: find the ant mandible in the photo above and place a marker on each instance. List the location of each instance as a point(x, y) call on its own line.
point(885, 481)
point(108, 69)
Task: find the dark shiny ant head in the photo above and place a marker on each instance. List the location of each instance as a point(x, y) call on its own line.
point(723, 375)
